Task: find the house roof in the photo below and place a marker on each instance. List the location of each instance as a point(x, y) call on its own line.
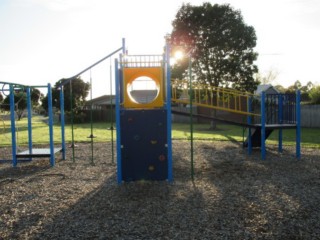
point(102, 100)
point(266, 88)
point(141, 96)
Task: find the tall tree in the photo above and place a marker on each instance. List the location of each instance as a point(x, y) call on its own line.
point(309, 85)
point(304, 90)
point(20, 101)
point(280, 88)
point(36, 96)
point(315, 95)
point(80, 91)
point(220, 43)
point(297, 85)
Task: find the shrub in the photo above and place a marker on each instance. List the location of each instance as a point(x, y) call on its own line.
point(314, 95)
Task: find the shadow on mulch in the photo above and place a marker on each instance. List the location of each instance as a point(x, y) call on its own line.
point(10, 173)
point(234, 196)
point(270, 195)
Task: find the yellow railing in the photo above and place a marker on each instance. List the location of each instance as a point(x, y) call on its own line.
point(218, 98)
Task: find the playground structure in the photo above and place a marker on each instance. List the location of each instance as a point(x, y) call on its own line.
point(260, 114)
point(143, 126)
point(9, 89)
point(144, 150)
point(143, 116)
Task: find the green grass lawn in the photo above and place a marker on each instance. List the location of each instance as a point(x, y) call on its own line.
point(40, 133)
point(309, 136)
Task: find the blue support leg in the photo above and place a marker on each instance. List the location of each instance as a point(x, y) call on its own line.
point(52, 160)
point(280, 117)
point(168, 108)
point(280, 137)
point(29, 108)
point(62, 122)
point(118, 128)
point(263, 126)
point(298, 127)
point(249, 121)
point(13, 127)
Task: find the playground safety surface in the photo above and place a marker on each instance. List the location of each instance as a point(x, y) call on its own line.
point(234, 196)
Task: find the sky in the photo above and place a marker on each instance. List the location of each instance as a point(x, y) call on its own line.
point(42, 41)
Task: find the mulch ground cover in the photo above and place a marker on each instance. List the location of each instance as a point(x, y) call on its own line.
point(233, 196)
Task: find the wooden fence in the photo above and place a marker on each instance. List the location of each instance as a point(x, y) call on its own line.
point(310, 115)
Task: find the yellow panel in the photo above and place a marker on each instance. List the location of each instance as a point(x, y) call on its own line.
point(130, 74)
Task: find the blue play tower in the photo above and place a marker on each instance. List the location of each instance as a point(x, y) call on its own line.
point(143, 117)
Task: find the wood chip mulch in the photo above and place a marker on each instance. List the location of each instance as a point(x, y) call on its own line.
point(234, 196)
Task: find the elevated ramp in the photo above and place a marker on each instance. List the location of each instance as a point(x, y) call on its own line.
point(217, 98)
point(229, 101)
point(217, 119)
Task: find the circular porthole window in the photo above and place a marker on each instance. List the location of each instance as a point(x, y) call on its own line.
point(143, 90)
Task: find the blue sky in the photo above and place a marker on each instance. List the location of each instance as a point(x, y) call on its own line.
point(42, 41)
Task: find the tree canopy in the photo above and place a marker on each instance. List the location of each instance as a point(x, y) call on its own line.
point(20, 100)
point(80, 91)
point(314, 95)
point(220, 44)
point(36, 96)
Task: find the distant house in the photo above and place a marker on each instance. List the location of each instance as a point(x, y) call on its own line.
point(105, 101)
point(101, 103)
point(267, 88)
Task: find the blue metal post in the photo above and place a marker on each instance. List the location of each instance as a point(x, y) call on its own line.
point(168, 106)
point(117, 111)
point(298, 125)
point(52, 162)
point(280, 120)
point(62, 122)
point(118, 92)
point(263, 126)
point(249, 121)
point(13, 127)
point(29, 108)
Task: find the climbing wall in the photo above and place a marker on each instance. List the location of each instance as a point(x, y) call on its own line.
point(144, 144)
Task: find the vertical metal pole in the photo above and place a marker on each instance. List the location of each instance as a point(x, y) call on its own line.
point(191, 118)
point(72, 127)
point(168, 108)
point(111, 113)
point(298, 125)
point(249, 121)
point(29, 109)
point(91, 119)
point(263, 126)
point(52, 162)
point(62, 122)
point(13, 127)
point(280, 120)
point(118, 92)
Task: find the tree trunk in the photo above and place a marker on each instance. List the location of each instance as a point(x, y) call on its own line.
point(19, 114)
point(213, 123)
